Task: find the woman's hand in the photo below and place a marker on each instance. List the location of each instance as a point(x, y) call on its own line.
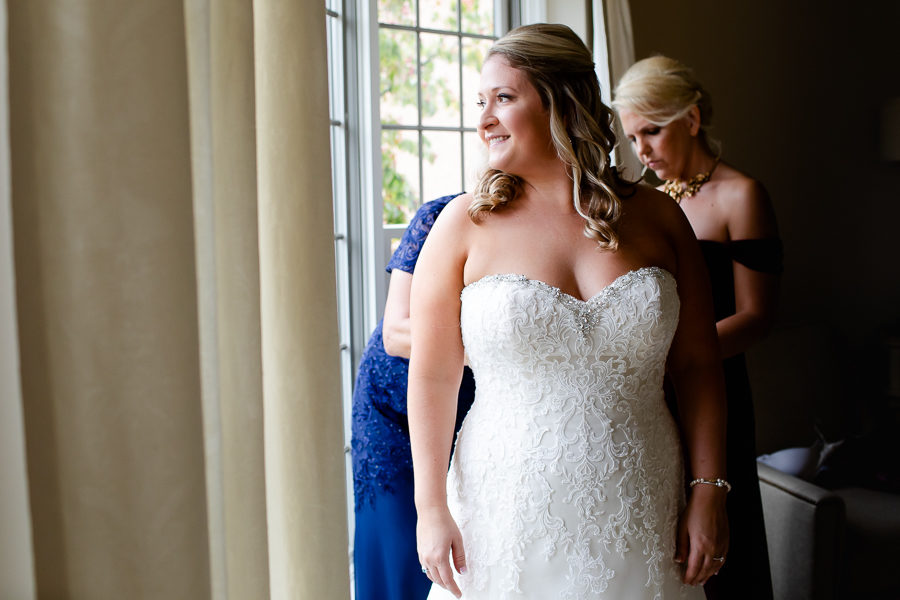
point(702, 534)
point(438, 536)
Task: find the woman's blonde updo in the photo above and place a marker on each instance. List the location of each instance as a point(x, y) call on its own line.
point(560, 67)
point(662, 90)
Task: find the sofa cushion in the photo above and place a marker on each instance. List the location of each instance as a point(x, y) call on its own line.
point(804, 525)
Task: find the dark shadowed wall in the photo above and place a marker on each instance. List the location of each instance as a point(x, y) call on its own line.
point(798, 88)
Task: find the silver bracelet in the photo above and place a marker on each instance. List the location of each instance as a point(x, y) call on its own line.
point(716, 482)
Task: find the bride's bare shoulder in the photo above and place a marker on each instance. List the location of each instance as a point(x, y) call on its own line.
point(647, 204)
point(453, 227)
point(654, 223)
point(456, 210)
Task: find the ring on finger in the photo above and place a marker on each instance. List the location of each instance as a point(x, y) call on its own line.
point(719, 558)
point(425, 569)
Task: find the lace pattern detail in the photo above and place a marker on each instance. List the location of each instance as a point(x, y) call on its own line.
point(380, 432)
point(380, 443)
point(567, 476)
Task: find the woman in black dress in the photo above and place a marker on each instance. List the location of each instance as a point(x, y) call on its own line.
point(665, 113)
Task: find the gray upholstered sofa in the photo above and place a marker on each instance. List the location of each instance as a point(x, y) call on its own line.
point(842, 544)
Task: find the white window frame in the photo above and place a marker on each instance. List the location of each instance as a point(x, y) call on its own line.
point(345, 138)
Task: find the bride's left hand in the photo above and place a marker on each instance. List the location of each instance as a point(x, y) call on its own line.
point(702, 534)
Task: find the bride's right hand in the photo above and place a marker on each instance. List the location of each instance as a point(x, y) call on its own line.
point(437, 538)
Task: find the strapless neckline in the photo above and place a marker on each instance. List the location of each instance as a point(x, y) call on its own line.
point(619, 282)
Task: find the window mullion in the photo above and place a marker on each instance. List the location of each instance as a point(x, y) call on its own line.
point(462, 121)
point(419, 100)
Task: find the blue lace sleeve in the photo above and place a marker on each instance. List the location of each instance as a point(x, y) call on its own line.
point(380, 442)
point(407, 253)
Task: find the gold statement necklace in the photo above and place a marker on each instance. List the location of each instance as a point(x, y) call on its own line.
point(679, 189)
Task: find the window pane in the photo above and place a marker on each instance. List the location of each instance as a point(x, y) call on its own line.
point(429, 80)
point(399, 175)
point(397, 12)
point(398, 76)
point(473, 54)
point(441, 164)
point(478, 16)
point(476, 158)
point(440, 74)
point(439, 14)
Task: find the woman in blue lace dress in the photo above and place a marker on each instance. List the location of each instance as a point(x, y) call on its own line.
point(386, 564)
point(665, 113)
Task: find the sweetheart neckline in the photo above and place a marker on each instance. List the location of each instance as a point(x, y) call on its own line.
point(599, 295)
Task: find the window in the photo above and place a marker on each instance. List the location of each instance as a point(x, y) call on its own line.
point(429, 61)
point(346, 222)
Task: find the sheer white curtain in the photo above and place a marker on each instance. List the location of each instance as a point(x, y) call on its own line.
point(612, 22)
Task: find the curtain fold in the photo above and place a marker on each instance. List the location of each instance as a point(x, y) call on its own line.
point(174, 276)
point(16, 554)
point(221, 75)
point(306, 498)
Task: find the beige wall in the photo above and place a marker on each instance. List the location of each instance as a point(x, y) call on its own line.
point(797, 89)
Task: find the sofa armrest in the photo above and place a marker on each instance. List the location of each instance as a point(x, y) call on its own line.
point(805, 528)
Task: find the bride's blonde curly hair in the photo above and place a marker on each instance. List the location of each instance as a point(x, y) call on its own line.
point(560, 67)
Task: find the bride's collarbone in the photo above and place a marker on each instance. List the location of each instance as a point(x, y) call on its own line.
point(562, 257)
point(584, 280)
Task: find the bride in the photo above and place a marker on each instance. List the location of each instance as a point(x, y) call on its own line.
point(570, 301)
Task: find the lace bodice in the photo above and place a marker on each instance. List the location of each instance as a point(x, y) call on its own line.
point(566, 482)
point(521, 332)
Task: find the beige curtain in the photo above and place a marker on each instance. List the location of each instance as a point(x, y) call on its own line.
point(174, 278)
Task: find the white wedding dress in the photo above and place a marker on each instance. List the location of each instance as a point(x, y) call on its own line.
point(566, 481)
